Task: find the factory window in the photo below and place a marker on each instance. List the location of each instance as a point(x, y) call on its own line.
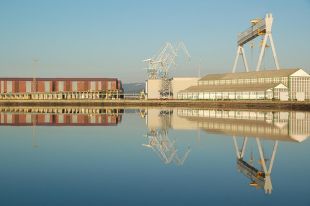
point(61, 118)
point(74, 86)
point(92, 86)
point(61, 86)
point(9, 118)
point(74, 118)
point(189, 95)
point(9, 86)
point(275, 80)
point(28, 118)
point(109, 85)
point(47, 86)
point(28, 86)
point(47, 118)
point(2, 86)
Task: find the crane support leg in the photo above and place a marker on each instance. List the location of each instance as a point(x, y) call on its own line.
point(240, 154)
point(262, 51)
point(275, 147)
point(275, 57)
point(240, 51)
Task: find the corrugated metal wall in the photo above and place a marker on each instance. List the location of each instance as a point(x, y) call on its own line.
point(41, 85)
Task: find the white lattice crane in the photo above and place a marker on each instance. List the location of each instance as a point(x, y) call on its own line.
point(160, 64)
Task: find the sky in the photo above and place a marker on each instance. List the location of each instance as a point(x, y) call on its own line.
point(98, 38)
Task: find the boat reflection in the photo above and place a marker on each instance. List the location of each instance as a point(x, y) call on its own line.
point(272, 126)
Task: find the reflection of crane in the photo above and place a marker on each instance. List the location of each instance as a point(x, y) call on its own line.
point(165, 149)
point(260, 178)
point(160, 143)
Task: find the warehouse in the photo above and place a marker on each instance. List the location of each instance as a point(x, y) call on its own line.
point(60, 88)
point(154, 87)
point(284, 84)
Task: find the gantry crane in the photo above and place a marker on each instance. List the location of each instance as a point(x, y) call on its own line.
point(260, 178)
point(259, 27)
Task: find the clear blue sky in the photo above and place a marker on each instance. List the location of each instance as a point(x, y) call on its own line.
point(111, 38)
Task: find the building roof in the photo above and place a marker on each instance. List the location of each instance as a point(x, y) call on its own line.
point(231, 88)
point(249, 75)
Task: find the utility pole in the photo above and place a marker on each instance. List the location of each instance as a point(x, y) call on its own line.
point(34, 83)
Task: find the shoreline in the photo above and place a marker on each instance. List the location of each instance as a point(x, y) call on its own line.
point(219, 104)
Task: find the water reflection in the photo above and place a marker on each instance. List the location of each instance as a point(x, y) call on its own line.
point(255, 135)
point(160, 143)
point(19, 116)
point(260, 177)
point(273, 126)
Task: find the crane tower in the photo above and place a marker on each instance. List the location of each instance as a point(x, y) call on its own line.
point(160, 64)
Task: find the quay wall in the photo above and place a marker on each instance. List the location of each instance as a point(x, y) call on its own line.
point(243, 104)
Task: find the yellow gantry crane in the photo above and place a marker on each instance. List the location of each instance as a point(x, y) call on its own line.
point(259, 27)
point(260, 178)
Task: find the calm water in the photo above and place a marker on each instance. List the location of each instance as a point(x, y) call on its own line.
point(154, 157)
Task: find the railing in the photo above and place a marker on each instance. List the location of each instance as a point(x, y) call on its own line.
point(111, 94)
point(252, 32)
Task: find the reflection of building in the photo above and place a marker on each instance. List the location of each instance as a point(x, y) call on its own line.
point(255, 125)
point(280, 125)
point(59, 117)
point(290, 125)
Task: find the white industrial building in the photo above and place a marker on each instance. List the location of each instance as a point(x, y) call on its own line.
point(154, 87)
point(284, 84)
point(278, 84)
